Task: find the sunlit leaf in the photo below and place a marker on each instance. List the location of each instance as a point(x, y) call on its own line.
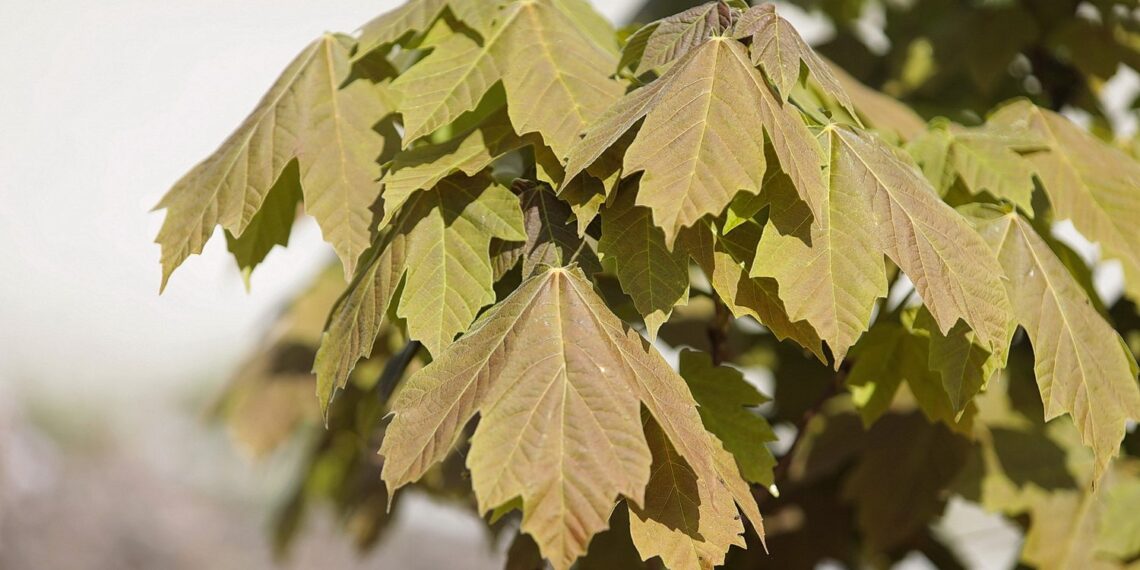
point(551, 369)
point(441, 242)
point(1083, 366)
point(309, 115)
point(1087, 181)
point(780, 51)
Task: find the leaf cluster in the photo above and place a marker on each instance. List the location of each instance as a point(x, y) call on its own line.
point(524, 202)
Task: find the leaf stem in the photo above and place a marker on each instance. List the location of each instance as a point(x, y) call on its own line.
point(718, 333)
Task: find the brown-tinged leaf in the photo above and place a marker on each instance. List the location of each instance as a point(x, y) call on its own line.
point(558, 382)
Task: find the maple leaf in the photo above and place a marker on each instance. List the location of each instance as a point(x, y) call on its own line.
point(1083, 366)
point(986, 159)
point(656, 278)
point(271, 225)
point(669, 39)
point(726, 403)
point(558, 381)
point(440, 243)
point(780, 51)
point(1087, 181)
point(539, 50)
point(831, 272)
point(311, 116)
point(894, 353)
point(551, 240)
point(695, 149)
point(725, 260)
point(423, 167)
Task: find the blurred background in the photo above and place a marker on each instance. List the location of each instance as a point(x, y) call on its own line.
point(107, 457)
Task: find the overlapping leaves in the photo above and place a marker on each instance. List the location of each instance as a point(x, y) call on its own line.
point(309, 115)
point(558, 381)
point(458, 157)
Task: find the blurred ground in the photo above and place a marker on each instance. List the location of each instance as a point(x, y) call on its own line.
point(76, 499)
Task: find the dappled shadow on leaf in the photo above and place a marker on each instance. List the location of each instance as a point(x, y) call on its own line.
point(672, 497)
point(789, 214)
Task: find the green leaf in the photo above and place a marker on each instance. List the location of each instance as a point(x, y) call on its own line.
point(548, 370)
point(890, 354)
point(1083, 366)
point(449, 275)
point(634, 48)
point(654, 277)
point(669, 39)
point(271, 225)
point(617, 120)
point(547, 56)
point(688, 522)
point(1088, 528)
point(830, 272)
point(441, 242)
point(423, 167)
point(884, 358)
point(743, 295)
point(541, 50)
point(309, 115)
point(780, 51)
point(1120, 527)
point(951, 266)
point(417, 16)
point(965, 367)
point(1087, 181)
point(984, 159)
point(697, 150)
point(900, 481)
point(726, 400)
point(450, 81)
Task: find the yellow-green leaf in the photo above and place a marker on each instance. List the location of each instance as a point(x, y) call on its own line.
point(449, 276)
point(780, 51)
point(671, 38)
point(1088, 182)
point(724, 260)
point(656, 278)
point(555, 73)
point(951, 266)
point(688, 522)
point(1083, 366)
point(441, 242)
point(557, 381)
point(423, 167)
point(726, 400)
point(697, 150)
point(450, 81)
point(308, 115)
point(271, 225)
point(831, 271)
